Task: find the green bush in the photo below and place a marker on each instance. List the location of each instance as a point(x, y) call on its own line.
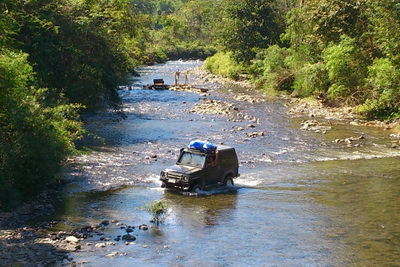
point(310, 79)
point(158, 211)
point(224, 65)
point(383, 86)
point(346, 69)
point(270, 70)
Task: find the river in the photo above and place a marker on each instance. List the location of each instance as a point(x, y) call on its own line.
point(301, 199)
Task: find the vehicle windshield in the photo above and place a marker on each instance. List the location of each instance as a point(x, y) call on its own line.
point(192, 159)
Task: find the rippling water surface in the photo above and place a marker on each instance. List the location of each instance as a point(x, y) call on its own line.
point(301, 200)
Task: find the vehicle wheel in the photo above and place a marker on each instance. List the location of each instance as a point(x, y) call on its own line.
point(195, 188)
point(165, 185)
point(228, 181)
point(169, 186)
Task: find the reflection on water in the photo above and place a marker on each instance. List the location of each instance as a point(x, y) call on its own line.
point(301, 200)
point(204, 210)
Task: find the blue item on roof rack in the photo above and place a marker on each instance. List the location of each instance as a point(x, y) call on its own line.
point(209, 147)
point(203, 146)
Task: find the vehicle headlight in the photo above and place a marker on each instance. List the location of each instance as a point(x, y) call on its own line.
point(185, 178)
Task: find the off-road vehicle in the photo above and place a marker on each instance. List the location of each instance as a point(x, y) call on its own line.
point(201, 168)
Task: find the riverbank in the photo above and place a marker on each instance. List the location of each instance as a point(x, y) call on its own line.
point(311, 107)
point(315, 108)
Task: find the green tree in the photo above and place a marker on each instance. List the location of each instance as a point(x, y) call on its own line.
point(384, 34)
point(83, 49)
point(248, 26)
point(34, 138)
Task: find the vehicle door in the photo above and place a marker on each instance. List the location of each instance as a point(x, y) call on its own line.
point(211, 170)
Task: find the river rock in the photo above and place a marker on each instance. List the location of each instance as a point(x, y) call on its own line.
point(72, 239)
point(100, 245)
point(255, 134)
point(72, 247)
point(113, 254)
point(143, 227)
point(128, 237)
point(214, 107)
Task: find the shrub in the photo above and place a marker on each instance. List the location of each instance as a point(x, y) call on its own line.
point(158, 210)
point(383, 87)
point(224, 65)
point(273, 72)
point(346, 69)
point(311, 78)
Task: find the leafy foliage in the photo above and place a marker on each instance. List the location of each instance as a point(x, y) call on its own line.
point(223, 64)
point(383, 86)
point(270, 70)
point(185, 29)
point(34, 138)
point(82, 50)
point(311, 79)
point(328, 46)
point(346, 71)
point(158, 211)
point(249, 25)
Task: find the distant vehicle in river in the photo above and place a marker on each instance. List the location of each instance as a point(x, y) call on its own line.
point(158, 84)
point(202, 165)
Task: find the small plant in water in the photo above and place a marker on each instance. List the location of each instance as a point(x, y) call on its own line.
point(158, 210)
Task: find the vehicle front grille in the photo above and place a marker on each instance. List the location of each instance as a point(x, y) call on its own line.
point(176, 176)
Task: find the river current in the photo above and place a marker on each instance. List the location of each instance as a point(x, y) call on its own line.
point(301, 199)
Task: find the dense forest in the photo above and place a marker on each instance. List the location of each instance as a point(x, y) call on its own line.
point(59, 58)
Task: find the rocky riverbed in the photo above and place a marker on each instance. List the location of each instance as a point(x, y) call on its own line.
point(315, 108)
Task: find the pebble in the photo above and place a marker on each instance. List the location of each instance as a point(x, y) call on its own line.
point(143, 227)
point(255, 134)
point(100, 245)
point(112, 254)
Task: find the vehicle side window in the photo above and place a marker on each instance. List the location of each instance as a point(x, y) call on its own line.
point(212, 160)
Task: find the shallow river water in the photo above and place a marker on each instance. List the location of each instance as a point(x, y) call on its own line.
point(301, 199)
